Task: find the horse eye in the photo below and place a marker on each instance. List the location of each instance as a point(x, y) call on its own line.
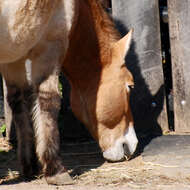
point(131, 87)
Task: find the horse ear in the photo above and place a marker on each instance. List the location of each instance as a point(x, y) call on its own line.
point(124, 43)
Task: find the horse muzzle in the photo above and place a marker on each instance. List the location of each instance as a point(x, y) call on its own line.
point(124, 146)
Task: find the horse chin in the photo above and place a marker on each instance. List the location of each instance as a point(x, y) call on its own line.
point(116, 152)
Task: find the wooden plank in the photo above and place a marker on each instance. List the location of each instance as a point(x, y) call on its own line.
point(179, 26)
point(144, 61)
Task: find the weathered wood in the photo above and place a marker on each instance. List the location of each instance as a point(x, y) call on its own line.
point(179, 26)
point(144, 61)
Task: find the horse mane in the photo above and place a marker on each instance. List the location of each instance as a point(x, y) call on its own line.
point(103, 22)
point(94, 32)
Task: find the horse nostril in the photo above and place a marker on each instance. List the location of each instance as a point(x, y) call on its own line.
point(131, 87)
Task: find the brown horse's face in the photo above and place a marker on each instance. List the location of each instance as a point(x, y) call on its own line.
point(115, 126)
point(103, 104)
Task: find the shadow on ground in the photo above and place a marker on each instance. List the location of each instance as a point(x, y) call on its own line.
point(78, 158)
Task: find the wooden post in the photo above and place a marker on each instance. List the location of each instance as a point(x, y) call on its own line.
point(144, 61)
point(179, 26)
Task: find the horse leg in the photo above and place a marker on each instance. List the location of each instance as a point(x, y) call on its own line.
point(47, 135)
point(23, 125)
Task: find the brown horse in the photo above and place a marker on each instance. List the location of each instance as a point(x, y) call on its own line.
point(36, 38)
point(100, 82)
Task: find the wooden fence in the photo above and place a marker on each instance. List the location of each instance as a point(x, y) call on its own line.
point(144, 61)
point(148, 100)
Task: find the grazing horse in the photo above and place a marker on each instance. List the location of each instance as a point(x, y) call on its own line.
point(37, 39)
point(100, 81)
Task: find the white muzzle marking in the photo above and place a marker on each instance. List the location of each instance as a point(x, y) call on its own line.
point(131, 139)
point(117, 152)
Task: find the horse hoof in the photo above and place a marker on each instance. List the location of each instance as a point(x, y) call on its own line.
point(60, 179)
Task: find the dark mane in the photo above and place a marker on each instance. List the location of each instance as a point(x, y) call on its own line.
point(95, 32)
point(103, 22)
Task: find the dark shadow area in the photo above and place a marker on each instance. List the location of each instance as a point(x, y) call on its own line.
point(12, 135)
point(71, 129)
point(78, 158)
point(17, 180)
point(8, 165)
point(81, 157)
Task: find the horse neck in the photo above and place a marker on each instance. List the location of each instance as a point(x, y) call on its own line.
point(89, 50)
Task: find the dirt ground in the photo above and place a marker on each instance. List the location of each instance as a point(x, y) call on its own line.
point(89, 170)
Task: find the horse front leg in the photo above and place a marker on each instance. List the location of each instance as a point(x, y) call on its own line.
point(45, 116)
point(23, 125)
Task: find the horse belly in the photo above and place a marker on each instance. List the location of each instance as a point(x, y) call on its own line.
point(22, 26)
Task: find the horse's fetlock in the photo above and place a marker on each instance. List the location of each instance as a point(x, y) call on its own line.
point(53, 167)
